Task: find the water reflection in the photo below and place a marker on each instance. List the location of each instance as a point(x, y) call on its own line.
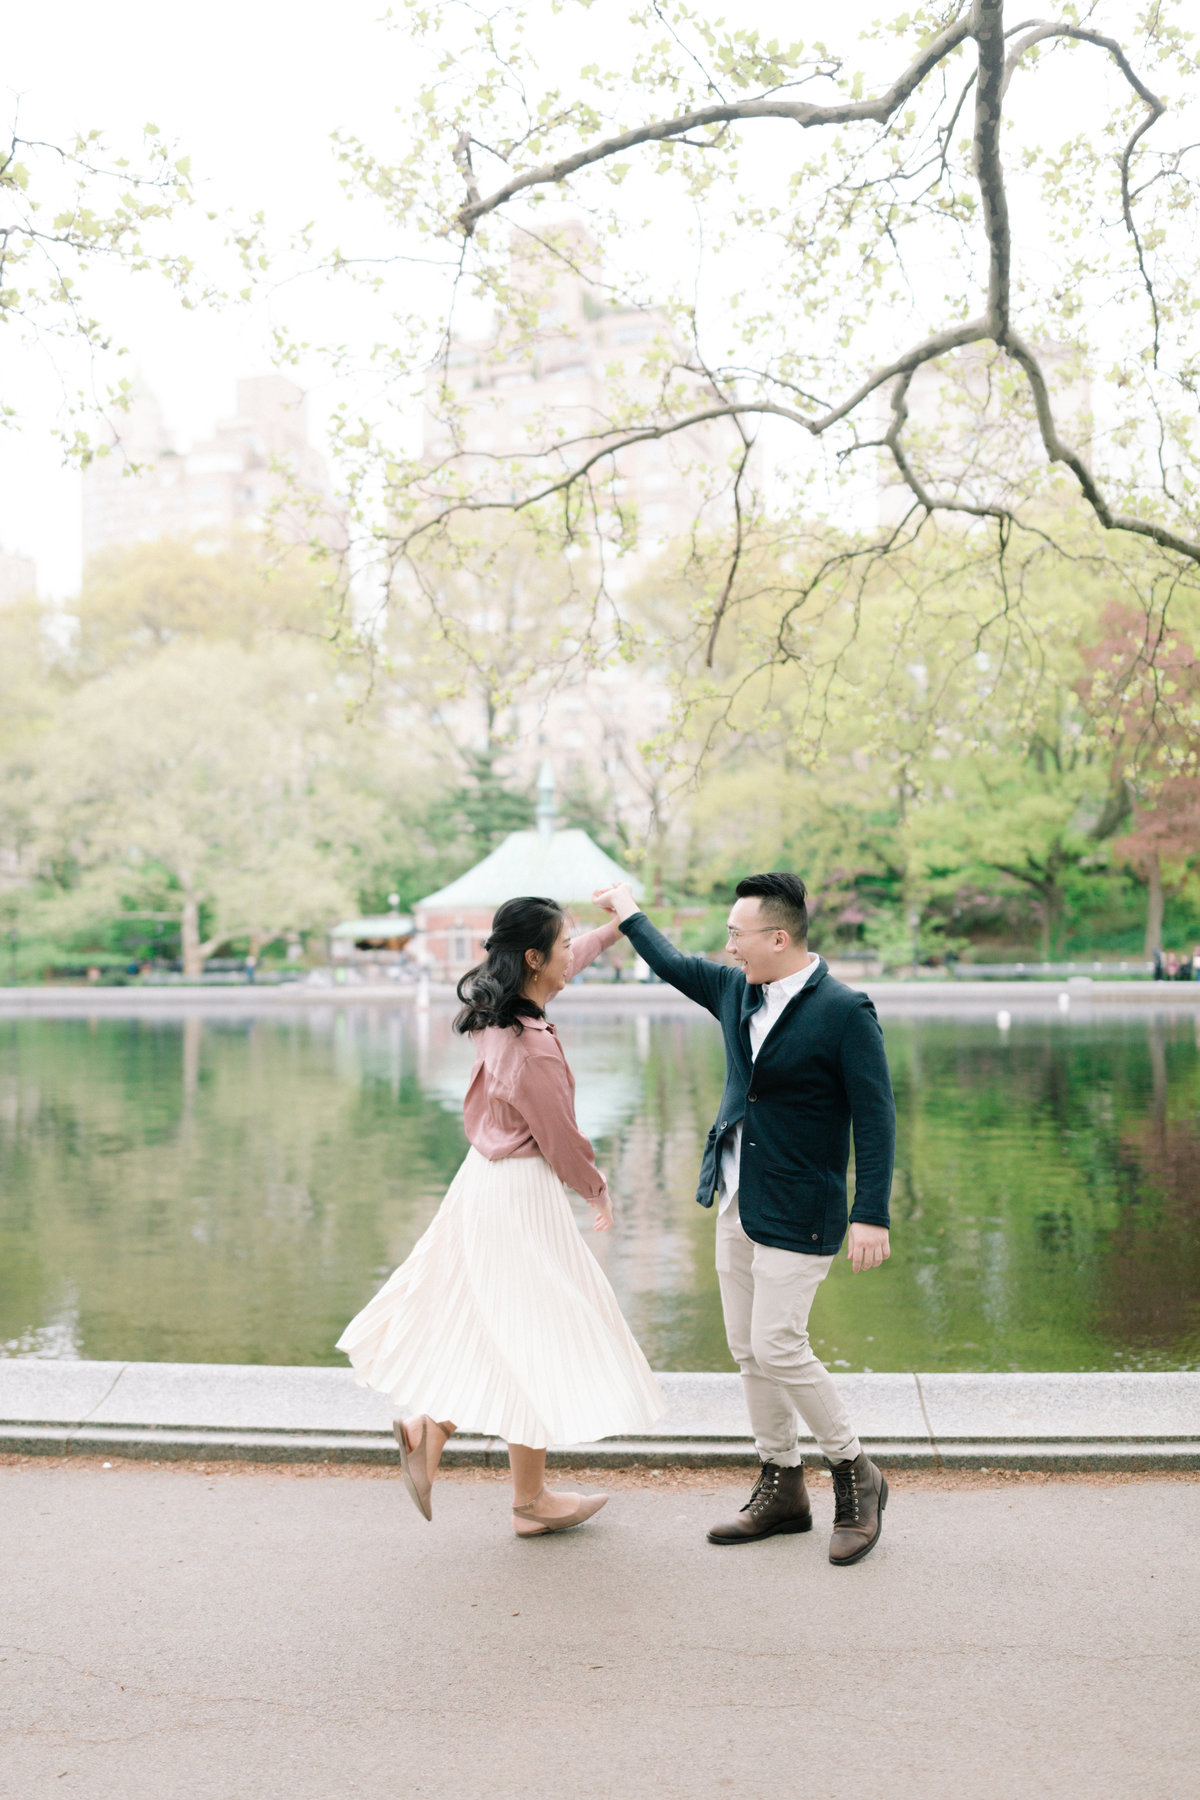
point(231, 1191)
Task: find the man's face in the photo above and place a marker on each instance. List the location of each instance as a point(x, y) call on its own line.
point(756, 946)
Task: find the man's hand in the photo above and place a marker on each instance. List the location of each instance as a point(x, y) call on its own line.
point(867, 1247)
point(617, 900)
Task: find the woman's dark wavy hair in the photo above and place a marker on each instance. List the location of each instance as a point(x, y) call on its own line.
point(491, 992)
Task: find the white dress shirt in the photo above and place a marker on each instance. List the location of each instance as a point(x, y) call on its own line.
point(775, 997)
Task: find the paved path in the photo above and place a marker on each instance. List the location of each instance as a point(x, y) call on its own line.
point(183, 1636)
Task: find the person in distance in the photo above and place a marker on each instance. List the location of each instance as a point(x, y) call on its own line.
point(804, 1063)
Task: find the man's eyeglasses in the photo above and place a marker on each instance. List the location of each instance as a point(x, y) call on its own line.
point(734, 932)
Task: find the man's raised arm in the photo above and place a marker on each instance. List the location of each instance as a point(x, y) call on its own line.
point(695, 976)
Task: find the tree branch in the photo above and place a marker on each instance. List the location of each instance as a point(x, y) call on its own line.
point(1155, 108)
point(987, 23)
point(983, 23)
point(735, 558)
point(800, 112)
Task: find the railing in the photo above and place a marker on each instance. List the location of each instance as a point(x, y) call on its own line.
point(1051, 971)
point(218, 978)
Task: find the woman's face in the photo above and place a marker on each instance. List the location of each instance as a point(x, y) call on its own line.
point(551, 977)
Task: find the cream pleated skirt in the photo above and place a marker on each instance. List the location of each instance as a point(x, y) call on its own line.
point(502, 1321)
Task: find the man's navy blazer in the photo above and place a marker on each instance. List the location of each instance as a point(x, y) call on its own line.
point(822, 1068)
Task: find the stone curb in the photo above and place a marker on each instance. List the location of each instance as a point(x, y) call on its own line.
point(949, 997)
point(301, 1447)
point(179, 1411)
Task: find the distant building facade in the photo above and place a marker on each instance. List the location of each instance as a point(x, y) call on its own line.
point(590, 367)
point(590, 364)
point(18, 578)
point(148, 489)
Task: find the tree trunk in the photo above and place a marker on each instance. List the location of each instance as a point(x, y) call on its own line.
point(189, 932)
point(1154, 905)
point(658, 854)
point(1051, 917)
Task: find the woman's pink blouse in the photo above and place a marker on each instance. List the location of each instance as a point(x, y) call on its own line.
point(521, 1101)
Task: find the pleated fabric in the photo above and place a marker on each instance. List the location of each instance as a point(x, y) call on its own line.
point(502, 1321)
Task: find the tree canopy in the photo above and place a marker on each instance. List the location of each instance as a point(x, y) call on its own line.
point(940, 274)
point(65, 207)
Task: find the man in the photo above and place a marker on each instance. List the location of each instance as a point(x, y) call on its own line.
point(804, 1061)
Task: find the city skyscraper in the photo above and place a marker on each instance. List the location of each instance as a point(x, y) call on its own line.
point(18, 577)
point(500, 409)
point(147, 489)
point(541, 406)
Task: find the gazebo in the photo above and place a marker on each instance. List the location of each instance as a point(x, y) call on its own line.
point(452, 924)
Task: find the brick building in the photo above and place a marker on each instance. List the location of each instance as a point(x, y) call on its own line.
point(451, 925)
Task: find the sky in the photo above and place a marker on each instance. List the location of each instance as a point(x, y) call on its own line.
point(252, 92)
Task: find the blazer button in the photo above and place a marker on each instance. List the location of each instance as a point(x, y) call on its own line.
point(752, 1096)
point(814, 1237)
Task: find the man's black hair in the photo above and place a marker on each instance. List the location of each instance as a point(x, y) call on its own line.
point(783, 900)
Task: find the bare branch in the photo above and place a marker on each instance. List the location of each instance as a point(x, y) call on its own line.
point(735, 558)
point(462, 158)
point(1155, 108)
point(1059, 451)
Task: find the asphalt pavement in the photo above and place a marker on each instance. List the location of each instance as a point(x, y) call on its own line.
point(172, 1633)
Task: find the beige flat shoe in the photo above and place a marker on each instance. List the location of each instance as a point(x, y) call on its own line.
point(528, 1522)
point(414, 1463)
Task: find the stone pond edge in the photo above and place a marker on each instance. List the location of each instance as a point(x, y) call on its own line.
point(258, 1413)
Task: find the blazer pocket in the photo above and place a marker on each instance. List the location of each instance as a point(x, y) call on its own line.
point(793, 1198)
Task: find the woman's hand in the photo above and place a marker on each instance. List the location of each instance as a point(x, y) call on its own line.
point(603, 1212)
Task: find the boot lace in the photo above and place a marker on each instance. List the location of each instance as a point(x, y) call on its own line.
point(765, 1490)
point(845, 1496)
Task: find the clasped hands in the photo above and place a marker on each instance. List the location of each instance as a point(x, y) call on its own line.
point(617, 900)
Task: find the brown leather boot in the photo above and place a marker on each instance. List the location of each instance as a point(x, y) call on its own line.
point(779, 1503)
point(859, 1496)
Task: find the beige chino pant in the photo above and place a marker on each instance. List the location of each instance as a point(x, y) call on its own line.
point(766, 1295)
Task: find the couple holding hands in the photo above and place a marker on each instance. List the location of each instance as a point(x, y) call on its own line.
point(501, 1323)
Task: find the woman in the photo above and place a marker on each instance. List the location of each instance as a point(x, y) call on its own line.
point(501, 1322)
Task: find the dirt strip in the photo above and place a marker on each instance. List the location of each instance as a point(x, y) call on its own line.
point(916, 1480)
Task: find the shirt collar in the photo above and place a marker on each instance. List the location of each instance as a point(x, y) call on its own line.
point(778, 993)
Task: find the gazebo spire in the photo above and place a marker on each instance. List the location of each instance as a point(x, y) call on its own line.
point(547, 812)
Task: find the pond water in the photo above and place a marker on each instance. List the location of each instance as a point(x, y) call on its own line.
point(232, 1190)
